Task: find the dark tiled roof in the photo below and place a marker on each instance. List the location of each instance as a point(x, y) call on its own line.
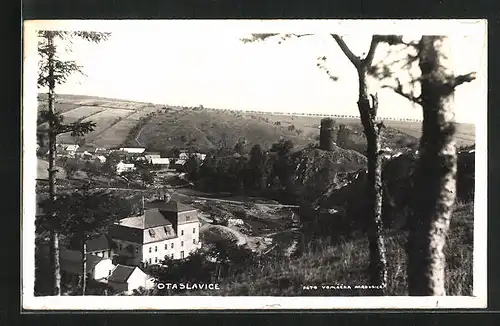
point(121, 273)
point(99, 244)
point(71, 261)
point(135, 235)
point(171, 206)
point(159, 233)
point(153, 218)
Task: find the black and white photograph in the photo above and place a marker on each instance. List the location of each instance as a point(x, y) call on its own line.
point(253, 164)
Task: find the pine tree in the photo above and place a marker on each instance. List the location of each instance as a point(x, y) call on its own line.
point(55, 71)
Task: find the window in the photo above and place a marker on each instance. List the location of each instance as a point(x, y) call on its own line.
point(120, 246)
point(156, 248)
point(150, 249)
point(149, 260)
point(194, 241)
point(182, 243)
point(182, 254)
point(188, 218)
point(137, 250)
point(172, 256)
point(156, 260)
point(152, 233)
point(166, 246)
point(194, 230)
point(172, 245)
point(182, 232)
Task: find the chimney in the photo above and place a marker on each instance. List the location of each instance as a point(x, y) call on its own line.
point(326, 134)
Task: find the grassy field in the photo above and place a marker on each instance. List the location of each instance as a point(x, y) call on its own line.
point(465, 131)
point(121, 122)
point(208, 129)
point(346, 263)
point(114, 118)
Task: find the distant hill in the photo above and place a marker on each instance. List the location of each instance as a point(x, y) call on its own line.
point(122, 122)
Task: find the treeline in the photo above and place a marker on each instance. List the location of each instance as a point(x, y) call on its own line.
point(260, 172)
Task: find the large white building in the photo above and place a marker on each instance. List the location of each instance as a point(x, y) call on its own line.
point(165, 229)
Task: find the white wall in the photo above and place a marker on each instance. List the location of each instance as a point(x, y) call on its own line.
point(137, 279)
point(102, 269)
point(181, 243)
point(189, 236)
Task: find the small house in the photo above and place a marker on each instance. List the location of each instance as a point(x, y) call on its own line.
point(150, 155)
point(100, 159)
point(97, 268)
point(124, 167)
point(125, 278)
point(200, 156)
point(133, 150)
point(160, 161)
point(101, 246)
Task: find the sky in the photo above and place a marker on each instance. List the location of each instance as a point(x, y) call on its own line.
point(210, 66)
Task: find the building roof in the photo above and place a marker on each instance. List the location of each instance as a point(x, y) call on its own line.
point(86, 148)
point(160, 160)
point(159, 233)
point(121, 273)
point(71, 261)
point(151, 218)
point(136, 150)
point(127, 233)
point(100, 243)
point(170, 206)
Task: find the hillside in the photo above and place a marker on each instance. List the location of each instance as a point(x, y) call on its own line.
point(121, 122)
point(114, 118)
point(209, 129)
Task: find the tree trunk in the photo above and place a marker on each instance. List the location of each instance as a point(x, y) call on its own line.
point(435, 183)
point(368, 113)
point(84, 266)
point(52, 168)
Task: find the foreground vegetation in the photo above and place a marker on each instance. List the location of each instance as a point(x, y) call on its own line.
point(321, 262)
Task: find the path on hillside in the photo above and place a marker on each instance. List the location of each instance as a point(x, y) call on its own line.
point(235, 201)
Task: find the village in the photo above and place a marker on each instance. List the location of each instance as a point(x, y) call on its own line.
point(165, 229)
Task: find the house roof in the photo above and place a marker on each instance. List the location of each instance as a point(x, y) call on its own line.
point(127, 233)
point(170, 206)
point(150, 219)
point(86, 148)
point(121, 273)
point(159, 233)
point(100, 243)
point(71, 261)
point(160, 160)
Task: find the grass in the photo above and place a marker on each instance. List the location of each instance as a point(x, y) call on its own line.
point(208, 129)
point(114, 119)
point(203, 128)
point(345, 263)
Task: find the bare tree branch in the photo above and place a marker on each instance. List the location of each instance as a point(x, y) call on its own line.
point(373, 45)
point(399, 90)
point(356, 61)
point(459, 80)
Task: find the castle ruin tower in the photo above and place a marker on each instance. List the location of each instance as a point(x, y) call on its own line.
point(326, 134)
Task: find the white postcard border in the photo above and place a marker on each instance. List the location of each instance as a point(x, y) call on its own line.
point(29, 168)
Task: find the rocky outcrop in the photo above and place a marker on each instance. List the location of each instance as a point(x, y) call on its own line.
point(338, 209)
point(317, 171)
